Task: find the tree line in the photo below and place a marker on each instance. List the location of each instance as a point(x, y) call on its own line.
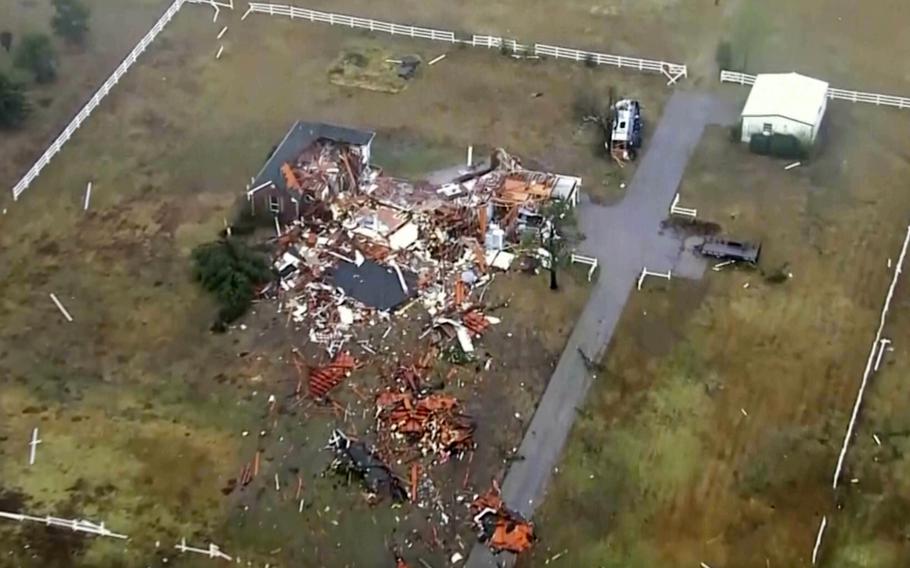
point(34, 56)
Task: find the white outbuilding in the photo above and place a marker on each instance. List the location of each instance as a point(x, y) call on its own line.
point(785, 103)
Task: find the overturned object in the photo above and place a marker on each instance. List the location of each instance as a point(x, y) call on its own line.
point(356, 458)
point(498, 526)
point(729, 249)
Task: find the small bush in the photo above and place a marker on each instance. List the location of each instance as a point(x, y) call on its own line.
point(230, 270)
point(36, 54)
point(70, 20)
point(760, 144)
point(736, 132)
point(14, 106)
point(779, 275)
point(777, 145)
point(724, 56)
point(6, 40)
point(786, 146)
point(590, 61)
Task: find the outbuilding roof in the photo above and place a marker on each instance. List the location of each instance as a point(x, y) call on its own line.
point(298, 139)
point(788, 95)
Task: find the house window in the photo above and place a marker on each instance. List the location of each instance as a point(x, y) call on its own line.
point(274, 204)
point(767, 128)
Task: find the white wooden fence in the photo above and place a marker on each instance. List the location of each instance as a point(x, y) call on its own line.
point(74, 525)
point(734, 77)
point(93, 102)
point(294, 12)
point(876, 345)
point(837, 94)
point(673, 71)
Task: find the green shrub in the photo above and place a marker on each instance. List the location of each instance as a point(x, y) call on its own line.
point(14, 106)
point(760, 144)
point(786, 146)
point(231, 271)
point(70, 20)
point(777, 145)
point(36, 54)
point(724, 56)
point(736, 132)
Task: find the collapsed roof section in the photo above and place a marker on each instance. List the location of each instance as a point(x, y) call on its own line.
point(304, 136)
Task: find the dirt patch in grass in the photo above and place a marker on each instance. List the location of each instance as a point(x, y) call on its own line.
point(367, 68)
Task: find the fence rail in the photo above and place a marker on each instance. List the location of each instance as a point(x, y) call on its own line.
point(93, 102)
point(734, 77)
point(333, 19)
point(673, 71)
point(835, 94)
point(612, 60)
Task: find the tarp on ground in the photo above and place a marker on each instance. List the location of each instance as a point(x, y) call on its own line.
point(375, 285)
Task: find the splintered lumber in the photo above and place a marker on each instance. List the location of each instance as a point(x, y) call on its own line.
point(60, 307)
point(290, 178)
point(460, 292)
point(476, 322)
point(415, 479)
point(480, 257)
point(482, 220)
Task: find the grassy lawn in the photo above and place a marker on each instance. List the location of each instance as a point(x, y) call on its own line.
point(670, 30)
point(115, 27)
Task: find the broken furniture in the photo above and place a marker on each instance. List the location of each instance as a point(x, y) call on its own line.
point(357, 459)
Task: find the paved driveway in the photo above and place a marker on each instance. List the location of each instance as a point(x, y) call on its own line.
point(624, 237)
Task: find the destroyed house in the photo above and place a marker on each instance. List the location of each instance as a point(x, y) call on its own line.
point(313, 161)
point(354, 245)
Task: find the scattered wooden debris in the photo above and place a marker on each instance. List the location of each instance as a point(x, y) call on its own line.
point(322, 380)
point(499, 527)
point(33, 447)
point(60, 307)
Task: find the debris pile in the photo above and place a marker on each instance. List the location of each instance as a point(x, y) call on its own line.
point(499, 527)
point(364, 245)
point(433, 423)
point(356, 459)
point(355, 250)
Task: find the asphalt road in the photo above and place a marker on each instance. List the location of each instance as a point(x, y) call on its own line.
point(624, 237)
